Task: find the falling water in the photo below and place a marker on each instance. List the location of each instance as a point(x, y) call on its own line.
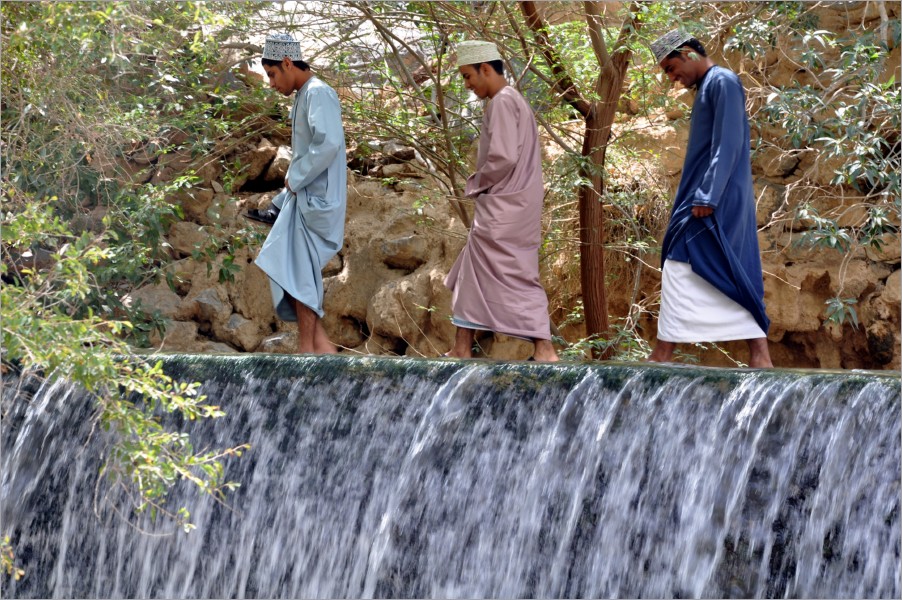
point(402, 478)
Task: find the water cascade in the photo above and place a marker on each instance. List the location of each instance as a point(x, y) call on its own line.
point(377, 477)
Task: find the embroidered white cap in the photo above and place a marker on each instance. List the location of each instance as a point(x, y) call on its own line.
point(474, 52)
point(280, 45)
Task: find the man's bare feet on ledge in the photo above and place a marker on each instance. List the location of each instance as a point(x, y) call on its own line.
point(544, 352)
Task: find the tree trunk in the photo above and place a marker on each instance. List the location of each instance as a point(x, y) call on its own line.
point(599, 117)
point(591, 230)
point(591, 205)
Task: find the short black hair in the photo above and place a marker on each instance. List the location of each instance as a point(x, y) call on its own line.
point(690, 43)
point(498, 65)
point(268, 62)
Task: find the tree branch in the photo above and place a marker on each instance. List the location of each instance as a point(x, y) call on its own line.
point(593, 21)
point(563, 84)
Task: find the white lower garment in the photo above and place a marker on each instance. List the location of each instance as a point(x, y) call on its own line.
point(693, 310)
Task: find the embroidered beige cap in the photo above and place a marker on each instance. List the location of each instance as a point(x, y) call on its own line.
point(474, 52)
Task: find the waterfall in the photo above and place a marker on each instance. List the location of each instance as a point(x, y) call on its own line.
point(379, 477)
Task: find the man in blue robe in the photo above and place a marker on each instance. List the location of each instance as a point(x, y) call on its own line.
point(712, 286)
point(308, 215)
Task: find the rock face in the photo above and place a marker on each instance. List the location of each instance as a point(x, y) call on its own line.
point(384, 292)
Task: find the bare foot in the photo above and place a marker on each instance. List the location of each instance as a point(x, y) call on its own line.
point(463, 344)
point(662, 353)
point(761, 363)
point(544, 351)
point(321, 342)
point(759, 354)
point(317, 347)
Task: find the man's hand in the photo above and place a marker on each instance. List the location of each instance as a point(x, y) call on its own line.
point(702, 211)
point(288, 187)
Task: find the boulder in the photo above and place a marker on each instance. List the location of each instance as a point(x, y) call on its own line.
point(400, 308)
point(209, 305)
point(795, 297)
point(194, 203)
point(769, 201)
point(791, 248)
point(278, 168)
point(852, 279)
point(828, 353)
point(892, 292)
point(254, 163)
point(396, 152)
point(90, 221)
point(819, 167)
point(180, 336)
point(216, 348)
point(334, 266)
point(153, 298)
point(411, 187)
point(250, 293)
point(893, 66)
point(380, 345)
point(180, 273)
point(170, 165)
point(883, 342)
point(209, 171)
point(440, 326)
point(345, 332)
point(775, 162)
point(505, 347)
point(889, 250)
point(396, 170)
point(408, 252)
point(240, 332)
point(348, 293)
point(258, 201)
point(223, 210)
point(186, 237)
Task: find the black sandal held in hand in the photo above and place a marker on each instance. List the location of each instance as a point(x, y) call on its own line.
point(267, 215)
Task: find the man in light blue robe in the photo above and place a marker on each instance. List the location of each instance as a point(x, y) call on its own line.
point(309, 213)
point(712, 285)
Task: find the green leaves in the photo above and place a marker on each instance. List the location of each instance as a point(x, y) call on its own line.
point(823, 232)
point(94, 102)
point(42, 333)
point(848, 114)
point(149, 457)
point(8, 559)
point(841, 310)
point(873, 230)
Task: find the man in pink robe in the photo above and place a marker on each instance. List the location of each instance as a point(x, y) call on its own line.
point(495, 280)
